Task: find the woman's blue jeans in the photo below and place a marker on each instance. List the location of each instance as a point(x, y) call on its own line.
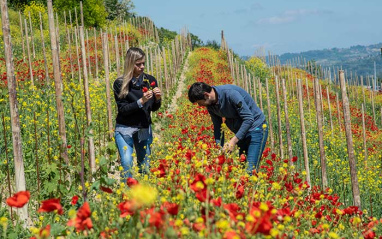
point(125, 145)
point(253, 145)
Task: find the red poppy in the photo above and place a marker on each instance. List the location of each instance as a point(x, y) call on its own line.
point(19, 199)
point(127, 208)
point(131, 182)
point(230, 235)
point(51, 205)
point(242, 158)
point(74, 200)
point(83, 220)
point(145, 89)
point(171, 208)
point(152, 84)
point(217, 202)
point(105, 189)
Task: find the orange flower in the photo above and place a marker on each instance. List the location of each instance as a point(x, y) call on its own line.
point(83, 220)
point(19, 199)
point(45, 232)
point(51, 205)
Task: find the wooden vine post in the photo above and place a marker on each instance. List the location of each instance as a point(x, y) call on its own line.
point(44, 52)
point(279, 118)
point(287, 124)
point(13, 106)
point(87, 97)
point(349, 140)
point(303, 132)
point(106, 64)
point(270, 128)
point(320, 134)
point(57, 85)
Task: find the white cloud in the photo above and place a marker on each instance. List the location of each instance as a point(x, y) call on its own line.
point(292, 15)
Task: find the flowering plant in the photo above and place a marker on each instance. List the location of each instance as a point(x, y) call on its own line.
point(149, 85)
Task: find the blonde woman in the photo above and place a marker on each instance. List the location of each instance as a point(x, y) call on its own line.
point(137, 95)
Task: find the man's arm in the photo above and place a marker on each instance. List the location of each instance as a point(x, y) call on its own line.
point(237, 102)
point(242, 109)
point(217, 122)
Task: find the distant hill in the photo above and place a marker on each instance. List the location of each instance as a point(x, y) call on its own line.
point(357, 59)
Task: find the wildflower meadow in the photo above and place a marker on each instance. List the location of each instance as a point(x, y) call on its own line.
point(319, 176)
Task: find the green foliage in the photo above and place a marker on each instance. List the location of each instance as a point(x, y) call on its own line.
point(118, 9)
point(94, 11)
point(213, 44)
point(258, 67)
point(34, 9)
point(195, 41)
point(166, 36)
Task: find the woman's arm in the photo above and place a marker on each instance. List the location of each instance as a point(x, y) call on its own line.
point(124, 107)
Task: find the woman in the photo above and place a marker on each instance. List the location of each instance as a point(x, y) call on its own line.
point(137, 95)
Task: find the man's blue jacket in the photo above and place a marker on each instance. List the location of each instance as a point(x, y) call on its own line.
point(238, 108)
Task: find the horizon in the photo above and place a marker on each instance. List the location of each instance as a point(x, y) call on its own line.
point(278, 27)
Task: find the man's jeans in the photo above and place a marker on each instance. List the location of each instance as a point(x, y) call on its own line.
point(125, 145)
point(253, 145)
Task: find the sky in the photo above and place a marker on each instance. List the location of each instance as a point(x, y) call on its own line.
point(276, 26)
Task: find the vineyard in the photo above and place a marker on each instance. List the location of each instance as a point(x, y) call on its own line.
point(319, 177)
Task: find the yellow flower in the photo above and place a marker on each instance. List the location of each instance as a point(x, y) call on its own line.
point(264, 207)
point(333, 235)
point(264, 126)
point(144, 194)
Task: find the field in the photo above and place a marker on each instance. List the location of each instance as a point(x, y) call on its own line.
point(65, 181)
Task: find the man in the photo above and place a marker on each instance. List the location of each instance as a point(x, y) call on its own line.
point(242, 117)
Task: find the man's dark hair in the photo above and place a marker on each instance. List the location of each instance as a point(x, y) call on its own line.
point(197, 90)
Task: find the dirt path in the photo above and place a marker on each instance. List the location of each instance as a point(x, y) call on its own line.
point(174, 102)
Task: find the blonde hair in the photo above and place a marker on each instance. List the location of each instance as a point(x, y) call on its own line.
point(132, 55)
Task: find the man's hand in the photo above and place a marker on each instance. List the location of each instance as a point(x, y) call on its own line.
point(230, 146)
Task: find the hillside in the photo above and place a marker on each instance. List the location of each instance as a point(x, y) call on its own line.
point(358, 59)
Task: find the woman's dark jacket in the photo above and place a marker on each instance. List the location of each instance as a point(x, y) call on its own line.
point(129, 113)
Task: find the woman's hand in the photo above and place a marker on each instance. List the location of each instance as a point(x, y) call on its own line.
point(146, 96)
point(157, 92)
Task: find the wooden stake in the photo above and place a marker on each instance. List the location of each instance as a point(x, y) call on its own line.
point(22, 35)
point(364, 136)
point(36, 152)
point(279, 118)
point(32, 39)
point(303, 133)
point(260, 95)
point(287, 124)
point(13, 107)
point(320, 134)
point(29, 54)
point(349, 140)
point(58, 85)
point(117, 58)
point(330, 109)
point(44, 52)
point(108, 97)
point(87, 99)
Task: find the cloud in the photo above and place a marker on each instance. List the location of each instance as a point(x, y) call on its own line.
point(292, 15)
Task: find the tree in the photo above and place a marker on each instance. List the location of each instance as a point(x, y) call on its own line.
point(195, 41)
point(119, 9)
point(94, 11)
point(213, 44)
